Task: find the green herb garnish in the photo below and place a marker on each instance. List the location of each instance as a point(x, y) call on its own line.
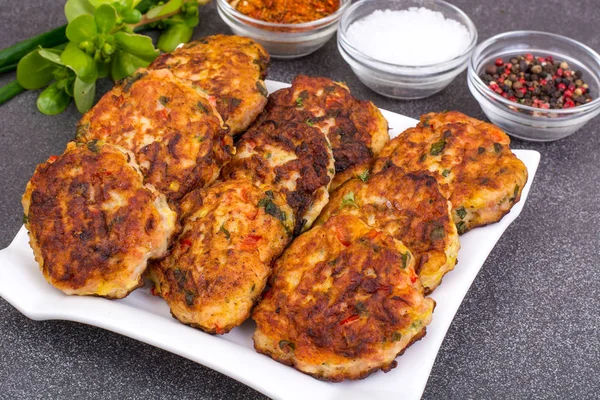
point(396, 336)
point(225, 231)
point(286, 343)
point(437, 147)
point(405, 259)
point(461, 227)
point(445, 173)
point(348, 200)
point(164, 100)
point(262, 89)
point(364, 176)
point(461, 212)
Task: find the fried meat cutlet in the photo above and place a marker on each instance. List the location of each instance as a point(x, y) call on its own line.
point(470, 159)
point(409, 207)
point(356, 129)
point(292, 158)
point(219, 265)
point(92, 222)
point(176, 135)
point(231, 69)
point(344, 302)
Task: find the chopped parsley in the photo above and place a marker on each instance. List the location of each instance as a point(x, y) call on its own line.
point(405, 259)
point(445, 173)
point(270, 194)
point(299, 102)
point(515, 193)
point(396, 336)
point(437, 233)
point(286, 343)
point(262, 89)
point(461, 212)
point(437, 147)
point(201, 107)
point(268, 155)
point(25, 218)
point(272, 208)
point(348, 200)
point(309, 122)
point(364, 176)
point(461, 227)
point(93, 145)
point(189, 298)
point(164, 100)
point(225, 231)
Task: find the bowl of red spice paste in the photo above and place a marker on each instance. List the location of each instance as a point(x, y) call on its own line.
point(286, 29)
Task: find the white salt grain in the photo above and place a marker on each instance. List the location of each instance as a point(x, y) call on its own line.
point(417, 36)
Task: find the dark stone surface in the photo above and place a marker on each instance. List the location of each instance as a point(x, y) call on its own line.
point(528, 327)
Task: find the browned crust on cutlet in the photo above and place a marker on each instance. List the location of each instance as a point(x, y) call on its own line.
point(308, 173)
point(356, 129)
point(232, 69)
point(91, 220)
point(345, 301)
point(411, 208)
point(470, 159)
point(219, 265)
point(173, 131)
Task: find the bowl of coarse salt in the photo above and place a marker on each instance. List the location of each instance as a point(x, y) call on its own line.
point(406, 49)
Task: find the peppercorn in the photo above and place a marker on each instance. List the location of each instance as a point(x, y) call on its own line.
point(537, 81)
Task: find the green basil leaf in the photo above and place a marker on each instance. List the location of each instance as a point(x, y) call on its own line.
point(84, 94)
point(52, 55)
point(138, 45)
point(168, 8)
point(53, 100)
point(174, 36)
point(125, 64)
point(82, 28)
point(75, 8)
point(34, 71)
point(106, 18)
point(82, 64)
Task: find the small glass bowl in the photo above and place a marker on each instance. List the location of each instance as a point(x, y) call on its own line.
point(283, 40)
point(402, 81)
point(526, 122)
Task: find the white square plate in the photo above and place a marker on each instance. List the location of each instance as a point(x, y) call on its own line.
point(146, 318)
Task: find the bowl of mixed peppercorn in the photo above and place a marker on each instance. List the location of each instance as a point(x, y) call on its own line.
point(285, 29)
point(535, 85)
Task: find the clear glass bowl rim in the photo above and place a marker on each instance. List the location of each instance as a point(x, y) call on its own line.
point(480, 85)
point(224, 4)
point(470, 27)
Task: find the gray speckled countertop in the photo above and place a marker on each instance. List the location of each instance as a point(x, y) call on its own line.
point(528, 328)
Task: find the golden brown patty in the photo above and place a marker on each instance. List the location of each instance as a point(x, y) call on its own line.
point(344, 302)
point(171, 128)
point(92, 222)
point(356, 129)
point(292, 158)
point(470, 159)
point(219, 265)
point(232, 69)
point(409, 207)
